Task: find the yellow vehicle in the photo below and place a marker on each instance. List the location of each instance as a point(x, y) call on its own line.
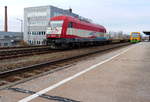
point(135, 37)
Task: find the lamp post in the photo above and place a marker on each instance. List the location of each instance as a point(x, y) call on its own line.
point(21, 21)
point(21, 24)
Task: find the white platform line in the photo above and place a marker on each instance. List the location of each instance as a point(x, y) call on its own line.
point(29, 98)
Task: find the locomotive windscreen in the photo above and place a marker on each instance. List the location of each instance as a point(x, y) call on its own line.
point(55, 27)
point(135, 34)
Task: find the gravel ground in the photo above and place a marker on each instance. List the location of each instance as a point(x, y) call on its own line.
point(35, 59)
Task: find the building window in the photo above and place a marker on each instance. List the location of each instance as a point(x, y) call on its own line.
point(34, 42)
point(42, 33)
point(5, 44)
point(30, 42)
point(33, 33)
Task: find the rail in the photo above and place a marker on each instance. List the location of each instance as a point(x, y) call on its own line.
point(7, 76)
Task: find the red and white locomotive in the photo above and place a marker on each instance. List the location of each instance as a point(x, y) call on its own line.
point(66, 31)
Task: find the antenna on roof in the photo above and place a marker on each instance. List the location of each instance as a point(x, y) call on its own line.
point(70, 9)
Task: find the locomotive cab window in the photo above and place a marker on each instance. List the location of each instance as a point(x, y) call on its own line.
point(70, 25)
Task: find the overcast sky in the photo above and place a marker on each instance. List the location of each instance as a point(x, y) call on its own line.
point(115, 15)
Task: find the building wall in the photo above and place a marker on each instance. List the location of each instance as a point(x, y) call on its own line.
point(36, 20)
point(35, 23)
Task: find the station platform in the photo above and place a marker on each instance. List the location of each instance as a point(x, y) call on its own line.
point(122, 75)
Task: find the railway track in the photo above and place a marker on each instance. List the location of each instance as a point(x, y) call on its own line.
point(19, 75)
point(20, 52)
point(19, 47)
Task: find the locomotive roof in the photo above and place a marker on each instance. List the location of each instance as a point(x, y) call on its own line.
point(146, 32)
point(76, 20)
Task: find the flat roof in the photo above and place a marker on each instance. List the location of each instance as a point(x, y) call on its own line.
point(10, 33)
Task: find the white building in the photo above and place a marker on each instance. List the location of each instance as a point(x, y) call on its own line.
point(36, 20)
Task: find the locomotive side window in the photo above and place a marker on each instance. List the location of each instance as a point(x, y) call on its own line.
point(70, 25)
